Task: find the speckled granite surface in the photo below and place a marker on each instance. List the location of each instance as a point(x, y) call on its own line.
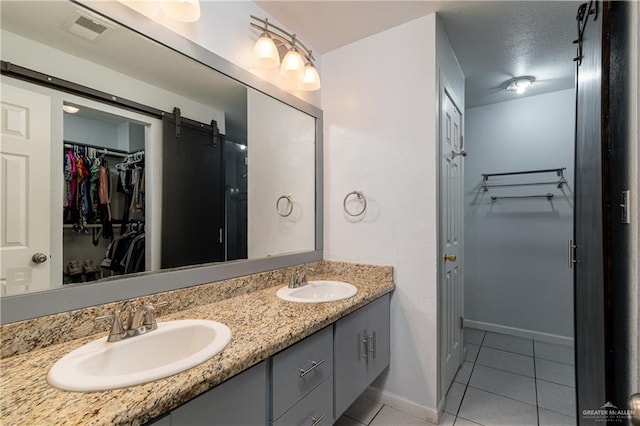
point(261, 324)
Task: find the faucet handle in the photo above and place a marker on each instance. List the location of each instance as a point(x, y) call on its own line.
point(117, 331)
point(303, 277)
point(293, 280)
point(150, 315)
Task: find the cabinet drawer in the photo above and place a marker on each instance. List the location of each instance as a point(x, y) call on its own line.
point(294, 374)
point(315, 409)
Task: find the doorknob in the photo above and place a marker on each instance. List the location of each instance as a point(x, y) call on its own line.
point(450, 257)
point(39, 258)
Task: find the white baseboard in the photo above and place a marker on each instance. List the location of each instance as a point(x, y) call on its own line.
point(520, 332)
point(404, 405)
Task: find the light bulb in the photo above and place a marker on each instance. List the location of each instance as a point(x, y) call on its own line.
point(519, 85)
point(70, 109)
point(292, 67)
point(311, 79)
point(182, 10)
point(265, 53)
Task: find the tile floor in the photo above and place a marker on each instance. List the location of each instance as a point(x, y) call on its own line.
point(505, 380)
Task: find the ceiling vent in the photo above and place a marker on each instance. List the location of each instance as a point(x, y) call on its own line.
point(88, 27)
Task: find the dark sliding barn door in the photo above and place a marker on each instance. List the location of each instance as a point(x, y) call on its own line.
point(602, 238)
point(192, 192)
point(588, 225)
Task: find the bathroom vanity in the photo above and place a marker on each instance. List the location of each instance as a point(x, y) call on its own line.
point(302, 381)
point(257, 377)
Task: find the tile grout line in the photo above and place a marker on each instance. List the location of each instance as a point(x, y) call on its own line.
point(510, 371)
point(469, 381)
point(376, 415)
point(506, 397)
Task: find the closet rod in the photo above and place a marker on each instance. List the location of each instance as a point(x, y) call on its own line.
point(102, 150)
point(559, 171)
point(548, 196)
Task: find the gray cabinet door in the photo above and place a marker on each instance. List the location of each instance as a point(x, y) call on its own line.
point(361, 348)
point(378, 337)
point(240, 401)
point(350, 375)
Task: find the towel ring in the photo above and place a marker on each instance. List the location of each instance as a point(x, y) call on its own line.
point(361, 198)
point(289, 203)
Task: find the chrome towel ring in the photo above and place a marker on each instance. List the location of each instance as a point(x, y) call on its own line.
point(361, 197)
point(289, 206)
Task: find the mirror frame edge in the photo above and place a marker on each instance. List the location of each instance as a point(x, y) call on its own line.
point(32, 305)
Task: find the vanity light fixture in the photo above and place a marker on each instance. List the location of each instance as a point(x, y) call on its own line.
point(265, 52)
point(520, 84)
point(182, 10)
point(297, 65)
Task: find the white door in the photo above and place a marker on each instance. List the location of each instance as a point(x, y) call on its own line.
point(25, 179)
point(451, 224)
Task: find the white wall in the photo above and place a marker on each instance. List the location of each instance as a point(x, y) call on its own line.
point(516, 272)
point(223, 28)
point(379, 102)
point(281, 153)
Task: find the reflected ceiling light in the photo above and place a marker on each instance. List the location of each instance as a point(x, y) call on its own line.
point(70, 109)
point(182, 10)
point(520, 84)
point(297, 65)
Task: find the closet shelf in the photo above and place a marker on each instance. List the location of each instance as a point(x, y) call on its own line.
point(559, 182)
point(548, 196)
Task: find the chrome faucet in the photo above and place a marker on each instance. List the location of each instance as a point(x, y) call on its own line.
point(298, 279)
point(141, 320)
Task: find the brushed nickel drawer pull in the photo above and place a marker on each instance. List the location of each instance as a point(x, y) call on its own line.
point(372, 345)
point(318, 420)
point(314, 365)
point(365, 355)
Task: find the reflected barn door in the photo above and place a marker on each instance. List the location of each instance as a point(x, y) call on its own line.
point(192, 193)
point(25, 181)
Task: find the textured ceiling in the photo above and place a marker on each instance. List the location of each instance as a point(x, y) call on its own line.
point(494, 41)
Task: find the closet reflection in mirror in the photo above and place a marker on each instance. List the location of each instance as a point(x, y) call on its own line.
point(103, 195)
point(196, 160)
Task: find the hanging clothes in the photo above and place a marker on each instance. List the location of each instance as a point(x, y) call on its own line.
point(87, 190)
point(131, 184)
point(70, 183)
point(126, 253)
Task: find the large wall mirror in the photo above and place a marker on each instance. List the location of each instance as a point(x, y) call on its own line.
point(129, 168)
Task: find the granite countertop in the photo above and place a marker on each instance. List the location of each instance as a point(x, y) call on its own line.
point(261, 324)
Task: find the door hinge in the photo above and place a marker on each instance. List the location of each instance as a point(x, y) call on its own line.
point(461, 322)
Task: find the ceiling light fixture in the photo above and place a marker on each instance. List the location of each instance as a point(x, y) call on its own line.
point(182, 10)
point(520, 84)
point(70, 109)
point(297, 65)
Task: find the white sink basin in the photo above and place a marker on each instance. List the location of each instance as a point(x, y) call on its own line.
point(173, 347)
point(318, 291)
